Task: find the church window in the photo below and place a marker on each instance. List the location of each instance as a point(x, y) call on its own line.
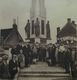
point(32, 26)
point(42, 26)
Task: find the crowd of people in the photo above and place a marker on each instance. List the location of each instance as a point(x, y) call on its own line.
point(25, 55)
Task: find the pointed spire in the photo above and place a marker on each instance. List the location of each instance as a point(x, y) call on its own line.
point(73, 22)
point(69, 20)
point(42, 8)
point(38, 9)
point(32, 10)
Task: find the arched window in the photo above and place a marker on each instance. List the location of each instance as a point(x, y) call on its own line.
point(32, 26)
point(42, 26)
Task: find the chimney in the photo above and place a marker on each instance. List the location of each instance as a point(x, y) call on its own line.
point(14, 24)
point(73, 22)
point(69, 20)
point(14, 21)
point(58, 30)
point(48, 22)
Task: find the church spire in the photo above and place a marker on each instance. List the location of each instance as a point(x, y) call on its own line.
point(38, 9)
point(32, 10)
point(42, 8)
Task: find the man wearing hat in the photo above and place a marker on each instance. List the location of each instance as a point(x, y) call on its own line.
point(4, 67)
point(13, 67)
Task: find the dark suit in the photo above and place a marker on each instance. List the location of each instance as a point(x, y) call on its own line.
point(68, 60)
point(53, 55)
point(4, 71)
point(26, 56)
point(43, 54)
point(13, 68)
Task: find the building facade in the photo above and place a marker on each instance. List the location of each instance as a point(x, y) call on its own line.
point(68, 35)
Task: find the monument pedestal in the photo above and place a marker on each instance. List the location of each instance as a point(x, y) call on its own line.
point(38, 26)
point(37, 40)
point(49, 41)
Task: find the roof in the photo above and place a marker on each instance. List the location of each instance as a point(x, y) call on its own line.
point(5, 32)
point(11, 36)
point(68, 30)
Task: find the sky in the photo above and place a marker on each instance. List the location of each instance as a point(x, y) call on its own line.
point(57, 13)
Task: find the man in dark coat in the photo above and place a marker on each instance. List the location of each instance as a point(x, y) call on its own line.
point(17, 49)
point(40, 53)
point(68, 60)
point(13, 67)
point(4, 68)
point(43, 52)
point(29, 54)
point(50, 54)
point(53, 58)
point(13, 51)
point(61, 54)
point(26, 55)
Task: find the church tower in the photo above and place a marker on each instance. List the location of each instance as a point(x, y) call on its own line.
point(38, 9)
point(38, 21)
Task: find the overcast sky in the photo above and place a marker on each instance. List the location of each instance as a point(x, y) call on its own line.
point(57, 13)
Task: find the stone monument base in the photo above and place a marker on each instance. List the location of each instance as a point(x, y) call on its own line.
point(49, 41)
point(37, 40)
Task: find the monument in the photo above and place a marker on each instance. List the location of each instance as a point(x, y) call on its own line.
point(37, 28)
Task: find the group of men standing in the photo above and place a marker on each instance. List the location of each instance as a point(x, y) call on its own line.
point(52, 54)
point(25, 55)
point(34, 53)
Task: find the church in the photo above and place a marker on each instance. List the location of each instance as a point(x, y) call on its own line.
point(38, 28)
